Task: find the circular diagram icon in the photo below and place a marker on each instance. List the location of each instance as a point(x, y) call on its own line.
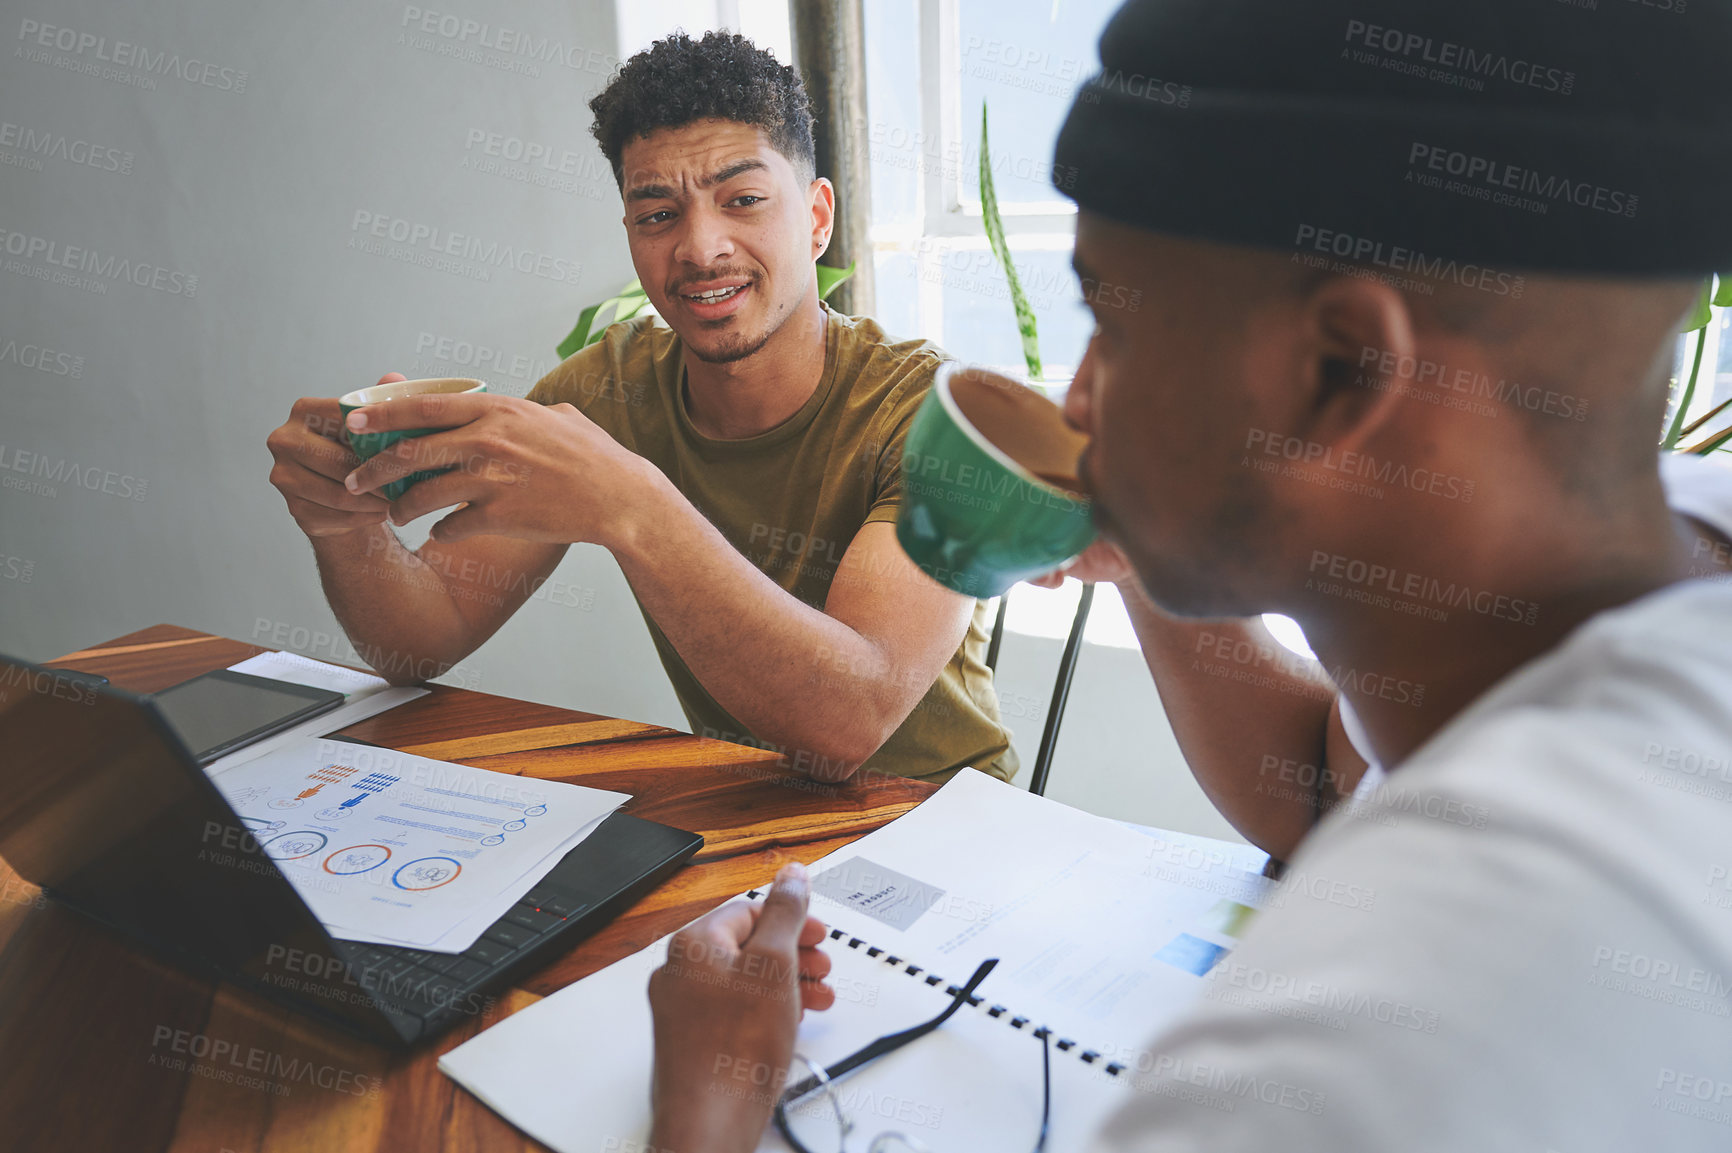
point(334, 813)
point(495, 839)
point(286, 803)
point(513, 826)
point(356, 859)
point(535, 810)
point(426, 873)
point(293, 846)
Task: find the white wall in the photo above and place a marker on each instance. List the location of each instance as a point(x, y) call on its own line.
point(186, 198)
point(249, 175)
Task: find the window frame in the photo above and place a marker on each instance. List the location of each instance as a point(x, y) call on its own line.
point(946, 223)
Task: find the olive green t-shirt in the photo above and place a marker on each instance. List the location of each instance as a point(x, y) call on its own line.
point(791, 500)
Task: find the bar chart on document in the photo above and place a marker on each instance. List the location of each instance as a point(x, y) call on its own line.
point(394, 848)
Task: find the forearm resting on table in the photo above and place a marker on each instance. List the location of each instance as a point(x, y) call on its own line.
point(795, 677)
point(1254, 721)
point(398, 611)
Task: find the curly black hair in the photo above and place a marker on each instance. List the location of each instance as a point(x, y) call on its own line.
point(723, 76)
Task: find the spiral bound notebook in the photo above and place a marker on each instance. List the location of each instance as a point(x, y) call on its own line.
point(1102, 936)
point(895, 966)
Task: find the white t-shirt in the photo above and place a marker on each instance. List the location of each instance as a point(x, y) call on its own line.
point(1521, 941)
point(1695, 486)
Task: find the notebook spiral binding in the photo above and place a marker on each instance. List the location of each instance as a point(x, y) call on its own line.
point(1064, 1045)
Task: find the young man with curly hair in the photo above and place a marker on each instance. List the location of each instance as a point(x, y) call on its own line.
point(738, 455)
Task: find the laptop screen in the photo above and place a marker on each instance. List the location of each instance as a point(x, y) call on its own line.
point(103, 806)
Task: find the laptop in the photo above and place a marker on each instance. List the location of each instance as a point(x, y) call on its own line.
point(103, 805)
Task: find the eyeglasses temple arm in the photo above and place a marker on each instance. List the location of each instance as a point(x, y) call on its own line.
point(893, 1041)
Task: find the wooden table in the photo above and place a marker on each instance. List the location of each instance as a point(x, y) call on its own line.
point(97, 1038)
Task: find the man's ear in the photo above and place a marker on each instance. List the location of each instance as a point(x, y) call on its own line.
point(1357, 353)
point(823, 198)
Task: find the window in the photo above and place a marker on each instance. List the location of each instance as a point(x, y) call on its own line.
point(1713, 383)
point(930, 66)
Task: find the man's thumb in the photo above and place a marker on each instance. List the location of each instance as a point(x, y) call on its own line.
point(784, 914)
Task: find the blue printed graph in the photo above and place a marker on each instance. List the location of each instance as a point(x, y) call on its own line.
point(369, 785)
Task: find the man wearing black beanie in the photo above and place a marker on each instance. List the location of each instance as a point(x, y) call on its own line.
point(1409, 280)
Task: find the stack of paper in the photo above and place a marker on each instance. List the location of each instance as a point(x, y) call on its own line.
point(293, 667)
point(397, 849)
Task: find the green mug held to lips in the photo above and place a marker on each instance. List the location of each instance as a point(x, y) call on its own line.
point(370, 444)
point(990, 493)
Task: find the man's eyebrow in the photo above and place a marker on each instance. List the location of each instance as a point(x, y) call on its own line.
point(721, 176)
point(737, 168)
point(650, 192)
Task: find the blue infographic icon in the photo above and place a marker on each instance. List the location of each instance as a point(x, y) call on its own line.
point(426, 873)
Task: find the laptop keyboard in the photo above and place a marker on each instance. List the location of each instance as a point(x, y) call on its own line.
point(422, 984)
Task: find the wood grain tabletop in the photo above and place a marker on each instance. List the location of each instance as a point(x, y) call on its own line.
point(105, 1047)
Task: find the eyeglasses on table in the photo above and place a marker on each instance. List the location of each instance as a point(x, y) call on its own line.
point(821, 1125)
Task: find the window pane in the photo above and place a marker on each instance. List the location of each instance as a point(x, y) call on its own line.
point(1721, 382)
point(1025, 61)
point(899, 297)
point(980, 323)
point(893, 111)
point(1039, 612)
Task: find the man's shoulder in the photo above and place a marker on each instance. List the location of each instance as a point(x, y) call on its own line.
point(621, 367)
point(870, 359)
point(1584, 719)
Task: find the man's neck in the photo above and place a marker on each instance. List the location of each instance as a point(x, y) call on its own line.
point(1407, 674)
point(747, 397)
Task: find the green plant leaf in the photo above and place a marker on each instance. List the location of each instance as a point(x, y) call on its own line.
point(1700, 421)
point(1677, 430)
point(1723, 294)
point(1702, 315)
point(1709, 445)
point(1025, 323)
point(830, 279)
point(631, 303)
point(578, 337)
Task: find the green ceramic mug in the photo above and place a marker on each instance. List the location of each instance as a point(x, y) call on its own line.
point(990, 495)
point(370, 444)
